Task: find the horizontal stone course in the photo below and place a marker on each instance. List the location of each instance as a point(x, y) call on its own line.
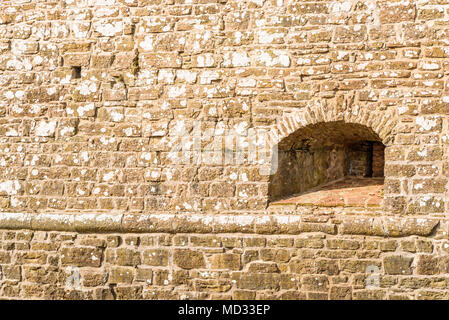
point(225, 223)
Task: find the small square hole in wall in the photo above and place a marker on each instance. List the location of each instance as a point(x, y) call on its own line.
point(76, 72)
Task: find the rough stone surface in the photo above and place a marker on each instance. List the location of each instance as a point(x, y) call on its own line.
point(114, 182)
point(100, 98)
point(398, 265)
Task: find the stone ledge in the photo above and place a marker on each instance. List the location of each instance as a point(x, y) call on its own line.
point(389, 227)
point(202, 223)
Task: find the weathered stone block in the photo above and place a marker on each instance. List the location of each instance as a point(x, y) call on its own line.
point(155, 257)
point(81, 256)
point(121, 275)
point(427, 265)
point(399, 265)
point(258, 281)
point(122, 257)
point(188, 259)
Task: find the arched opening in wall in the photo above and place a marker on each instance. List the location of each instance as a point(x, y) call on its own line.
point(329, 164)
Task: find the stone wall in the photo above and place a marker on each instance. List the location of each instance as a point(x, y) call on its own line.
point(133, 127)
point(301, 170)
point(284, 256)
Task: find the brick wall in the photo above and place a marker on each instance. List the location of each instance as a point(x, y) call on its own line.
point(144, 110)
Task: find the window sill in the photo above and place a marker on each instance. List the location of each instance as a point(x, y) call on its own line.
point(346, 192)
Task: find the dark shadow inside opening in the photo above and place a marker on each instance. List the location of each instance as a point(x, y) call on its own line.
point(76, 72)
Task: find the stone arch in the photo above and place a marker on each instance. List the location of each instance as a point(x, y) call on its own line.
point(383, 123)
point(373, 126)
